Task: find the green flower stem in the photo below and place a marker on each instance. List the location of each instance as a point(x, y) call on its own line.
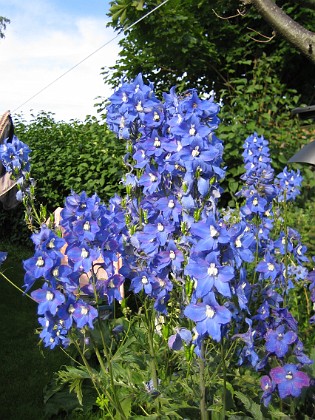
point(17, 287)
point(88, 367)
point(70, 357)
point(223, 355)
point(110, 369)
point(286, 259)
point(202, 386)
point(150, 329)
point(115, 400)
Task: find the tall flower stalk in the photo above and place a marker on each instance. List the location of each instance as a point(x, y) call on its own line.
point(218, 277)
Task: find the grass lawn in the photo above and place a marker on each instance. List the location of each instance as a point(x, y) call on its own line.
point(25, 367)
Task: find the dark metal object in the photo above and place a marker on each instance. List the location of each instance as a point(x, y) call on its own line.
point(304, 113)
point(307, 153)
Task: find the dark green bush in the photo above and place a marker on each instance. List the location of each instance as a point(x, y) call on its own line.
point(261, 104)
point(65, 156)
point(71, 156)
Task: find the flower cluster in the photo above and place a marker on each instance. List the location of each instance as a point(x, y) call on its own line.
point(230, 274)
point(181, 239)
point(14, 156)
point(175, 168)
point(78, 270)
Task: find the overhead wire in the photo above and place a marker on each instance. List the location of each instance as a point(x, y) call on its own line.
point(90, 55)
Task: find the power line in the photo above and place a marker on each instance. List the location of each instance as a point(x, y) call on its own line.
point(90, 55)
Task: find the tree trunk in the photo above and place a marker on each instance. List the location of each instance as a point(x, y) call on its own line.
point(301, 38)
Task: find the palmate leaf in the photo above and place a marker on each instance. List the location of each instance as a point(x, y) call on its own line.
point(74, 377)
point(252, 407)
point(58, 399)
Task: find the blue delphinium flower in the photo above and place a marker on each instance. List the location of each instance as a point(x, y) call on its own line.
point(84, 314)
point(14, 156)
point(288, 184)
point(53, 331)
point(209, 316)
point(3, 256)
point(268, 387)
point(181, 337)
point(289, 380)
point(178, 231)
point(49, 300)
point(278, 340)
point(248, 353)
point(209, 273)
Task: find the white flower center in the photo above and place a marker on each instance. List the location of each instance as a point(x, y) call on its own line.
point(157, 142)
point(172, 255)
point(49, 295)
point(255, 202)
point(289, 376)
point(209, 311)
point(213, 231)
point(238, 242)
point(195, 152)
point(40, 262)
point(144, 280)
point(139, 107)
point(87, 226)
point(160, 227)
point(152, 177)
point(192, 130)
point(171, 204)
point(270, 266)
point(156, 116)
point(84, 253)
point(212, 270)
point(84, 310)
point(51, 243)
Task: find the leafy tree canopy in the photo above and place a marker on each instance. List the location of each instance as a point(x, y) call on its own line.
point(204, 44)
point(3, 25)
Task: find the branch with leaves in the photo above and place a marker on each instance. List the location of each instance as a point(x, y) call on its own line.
point(293, 32)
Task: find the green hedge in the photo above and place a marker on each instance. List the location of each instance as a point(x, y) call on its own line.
point(72, 156)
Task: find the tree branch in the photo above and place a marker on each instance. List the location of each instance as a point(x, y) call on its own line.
point(293, 32)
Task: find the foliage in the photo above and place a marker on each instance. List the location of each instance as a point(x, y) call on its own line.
point(205, 44)
point(260, 104)
point(214, 293)
point(259, 83)
point(71, 156)
point(3, 25)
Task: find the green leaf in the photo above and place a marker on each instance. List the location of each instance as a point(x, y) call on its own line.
point(252, 407)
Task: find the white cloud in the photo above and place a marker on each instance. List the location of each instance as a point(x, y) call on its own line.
point(37, 50)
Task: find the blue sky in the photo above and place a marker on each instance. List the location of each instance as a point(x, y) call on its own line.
point(45, 39)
